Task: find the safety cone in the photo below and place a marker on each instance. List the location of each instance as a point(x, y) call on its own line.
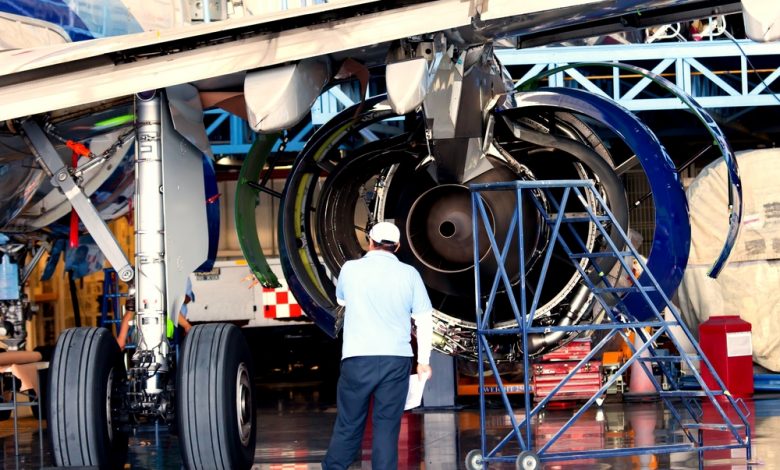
point(640, 383)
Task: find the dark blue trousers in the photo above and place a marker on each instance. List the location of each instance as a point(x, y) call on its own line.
point(386, 378)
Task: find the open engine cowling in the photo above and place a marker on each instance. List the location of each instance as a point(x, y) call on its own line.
point(339, 186)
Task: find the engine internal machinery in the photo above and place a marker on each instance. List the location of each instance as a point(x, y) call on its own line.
point(370, 164)
point(13, 314)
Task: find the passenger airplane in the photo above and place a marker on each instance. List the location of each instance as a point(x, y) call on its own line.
point(450, 117)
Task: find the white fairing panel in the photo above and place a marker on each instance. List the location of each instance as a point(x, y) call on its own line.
point(184, 207)
point(278, 98)
point(407, 84)
point(748, 285)
point(187, 115)
point(762, 19)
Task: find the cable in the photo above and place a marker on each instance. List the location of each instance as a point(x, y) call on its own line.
point(742, 51)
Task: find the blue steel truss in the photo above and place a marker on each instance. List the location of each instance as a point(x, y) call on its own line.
point(716, 73)
point(562, 204)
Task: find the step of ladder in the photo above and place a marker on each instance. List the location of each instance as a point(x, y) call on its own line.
point(622, 290)
point(690, 393)
point(713, 426)
point(579, 218)
point(601, 254)
point(669, 358)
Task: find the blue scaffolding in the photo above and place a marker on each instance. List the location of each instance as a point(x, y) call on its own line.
point(561, 205)
point(109, 301)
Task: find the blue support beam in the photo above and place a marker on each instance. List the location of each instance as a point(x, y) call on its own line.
point(684, 63)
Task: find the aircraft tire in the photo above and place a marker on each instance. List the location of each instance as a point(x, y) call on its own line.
point(86, 376)
point(214, 409)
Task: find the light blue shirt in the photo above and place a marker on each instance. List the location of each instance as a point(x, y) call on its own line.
point(380, 294)
point(188, 292)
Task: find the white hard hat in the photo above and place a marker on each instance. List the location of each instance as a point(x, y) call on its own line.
point(385, 232)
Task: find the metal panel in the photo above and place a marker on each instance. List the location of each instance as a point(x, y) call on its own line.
point(184, 210)
point(226, 295)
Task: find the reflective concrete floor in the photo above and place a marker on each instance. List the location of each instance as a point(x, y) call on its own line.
point(295, 424)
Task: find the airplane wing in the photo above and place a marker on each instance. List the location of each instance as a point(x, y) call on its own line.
point(62, 76)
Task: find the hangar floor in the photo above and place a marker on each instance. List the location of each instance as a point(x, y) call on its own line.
point(295, 426)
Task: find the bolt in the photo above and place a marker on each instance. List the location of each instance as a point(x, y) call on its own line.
point(126, 274)
point(62, 176)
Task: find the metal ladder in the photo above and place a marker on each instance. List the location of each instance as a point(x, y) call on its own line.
point(562, 204)
point(110, 301)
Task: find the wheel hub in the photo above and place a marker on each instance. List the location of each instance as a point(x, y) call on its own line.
point(109, 392)
point(243, 404)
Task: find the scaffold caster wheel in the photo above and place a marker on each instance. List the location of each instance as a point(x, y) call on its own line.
point(527, 460)
point(474, 460)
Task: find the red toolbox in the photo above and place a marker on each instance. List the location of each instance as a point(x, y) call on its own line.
point(583, 385)
point(574, 351)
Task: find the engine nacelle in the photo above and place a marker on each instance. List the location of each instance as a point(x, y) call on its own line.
point(367, 165)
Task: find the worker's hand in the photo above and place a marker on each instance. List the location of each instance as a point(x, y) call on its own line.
point(121, 342)
point(184, 323)
point(424, 371)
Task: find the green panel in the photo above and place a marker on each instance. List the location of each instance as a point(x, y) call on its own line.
point(247, 199)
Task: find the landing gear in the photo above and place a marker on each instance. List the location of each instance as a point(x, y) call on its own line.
point(91, 402)
point(214, 409)
point(87, 379)
point(206, 395)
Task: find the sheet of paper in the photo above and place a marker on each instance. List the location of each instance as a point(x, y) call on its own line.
point(415, 394)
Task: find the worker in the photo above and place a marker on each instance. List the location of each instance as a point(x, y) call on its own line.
point(381, 296)
point(184, 324)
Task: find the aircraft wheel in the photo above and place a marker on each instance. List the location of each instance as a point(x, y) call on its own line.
point(86, 378)
point(214, 409)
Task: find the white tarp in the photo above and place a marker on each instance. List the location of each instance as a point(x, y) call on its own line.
point(748, 286)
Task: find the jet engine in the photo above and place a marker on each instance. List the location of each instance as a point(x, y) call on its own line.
point(410, 156)
point(371, 163)
point(334, 196)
